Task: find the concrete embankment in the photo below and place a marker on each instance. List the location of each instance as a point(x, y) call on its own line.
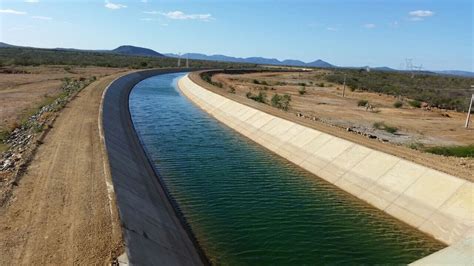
point(436, 203)
point(154, 231)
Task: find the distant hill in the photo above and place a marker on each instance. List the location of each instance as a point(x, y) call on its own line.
point(5, 45)
point(137, 51)
point(255, 60)
point(140, 51)
point(320, 63)
point(456, 73)
point(384, 69)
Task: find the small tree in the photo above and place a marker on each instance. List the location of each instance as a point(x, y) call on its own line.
point(281, 102)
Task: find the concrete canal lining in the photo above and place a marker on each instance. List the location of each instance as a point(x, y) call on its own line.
point(154, 231)
point(436, 203)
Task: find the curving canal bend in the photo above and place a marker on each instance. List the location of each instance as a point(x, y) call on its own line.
point(248, 206)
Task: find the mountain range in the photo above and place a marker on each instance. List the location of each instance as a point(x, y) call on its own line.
point(140, 51)
point(255, 60)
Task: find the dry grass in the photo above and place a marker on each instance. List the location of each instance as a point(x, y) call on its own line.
point(323, 100)
point(24, 89)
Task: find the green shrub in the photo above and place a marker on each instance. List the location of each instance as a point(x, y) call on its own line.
point(362, 103)
point(302, 90)
point(231, 89)
point(415, 103)
point(456, 151)
point(260, 97)
point(439, 91)
point(281, 102)
point(302, 84)
point(416, 146)
point(397, 104)
point(255, 81)
point(383, 126)
point(4, 134)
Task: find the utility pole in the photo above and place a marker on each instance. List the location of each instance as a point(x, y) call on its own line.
point(179, 60)
point(344, 86)
point(187, 61)
point(469, 109)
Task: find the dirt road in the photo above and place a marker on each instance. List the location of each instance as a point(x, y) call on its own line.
point(61, 213)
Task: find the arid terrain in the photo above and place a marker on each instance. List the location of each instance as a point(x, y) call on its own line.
point(323, 100)
point(322, 107)
point(22, 89)
point(61, 209)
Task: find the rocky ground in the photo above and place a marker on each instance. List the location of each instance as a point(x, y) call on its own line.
point(23, 141)
point(323, 101)
point(58, 204)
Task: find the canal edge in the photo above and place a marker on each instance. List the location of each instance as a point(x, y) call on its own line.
point(142, 206)
point(459, 221)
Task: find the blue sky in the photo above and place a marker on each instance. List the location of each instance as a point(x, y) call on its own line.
point(435, 34)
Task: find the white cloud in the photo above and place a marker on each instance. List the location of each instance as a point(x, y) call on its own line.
point(331, 29)
point(32, 1)
point(182, 16)
point(13, 12)
point(151, 12)
point(21, 28)
point(42, 17)
point(369, 26)
point(111, 5)
point(394, 24)
point(419, 15)
point(147, 19)
point(144, 1)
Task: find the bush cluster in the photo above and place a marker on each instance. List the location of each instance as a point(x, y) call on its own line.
point(261, 97)
point(440, 91)
point(397, 104)
point(35, 56)
point(281, 101)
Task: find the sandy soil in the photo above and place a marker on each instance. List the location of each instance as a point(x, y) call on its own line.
point(22, 88)
point(433, 127)
point(461, 167)
point(61, 211)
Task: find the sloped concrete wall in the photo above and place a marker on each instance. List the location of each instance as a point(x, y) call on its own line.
point(154, 231)
point(436, 203)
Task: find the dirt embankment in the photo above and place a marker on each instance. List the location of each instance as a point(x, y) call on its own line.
point(62, 212)
point(335, 108)
point(23, 88)
point(313, 96)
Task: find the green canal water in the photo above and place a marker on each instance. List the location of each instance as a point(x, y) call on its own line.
point(247, 206)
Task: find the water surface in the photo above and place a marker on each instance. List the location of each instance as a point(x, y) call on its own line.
point(248, 206)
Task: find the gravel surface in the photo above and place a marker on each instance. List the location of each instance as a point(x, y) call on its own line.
point(61, 211)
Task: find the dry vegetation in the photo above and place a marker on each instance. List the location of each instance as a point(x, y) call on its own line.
point(426, 135)
point(23, 90)
point(393, 118)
